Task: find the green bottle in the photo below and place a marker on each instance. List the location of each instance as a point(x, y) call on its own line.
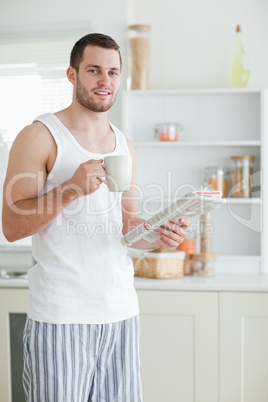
point(239, 69)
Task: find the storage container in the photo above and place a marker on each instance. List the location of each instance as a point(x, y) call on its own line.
point(188, 266)
point(241, 177)
point(167, 131)
point(138, 57)
point(204, 264)
point(216, 178)
point(189, 247)
point(206, 231)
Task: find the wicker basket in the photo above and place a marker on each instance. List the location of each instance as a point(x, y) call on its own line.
point(165, 250)
point(159, 265)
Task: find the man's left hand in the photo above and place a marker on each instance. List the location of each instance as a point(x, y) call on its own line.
point(173, 234)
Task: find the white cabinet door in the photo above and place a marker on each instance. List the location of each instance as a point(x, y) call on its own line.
point(243, 347)
point(11, 301)
point(179, 346)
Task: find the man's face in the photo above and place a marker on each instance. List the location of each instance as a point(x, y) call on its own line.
point(98, 78)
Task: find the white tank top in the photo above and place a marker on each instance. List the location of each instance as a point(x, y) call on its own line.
point(83, 273)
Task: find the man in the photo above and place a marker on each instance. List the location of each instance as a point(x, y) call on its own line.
point(81, 338)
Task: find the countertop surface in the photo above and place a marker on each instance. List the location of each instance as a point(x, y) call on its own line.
point(220, 282)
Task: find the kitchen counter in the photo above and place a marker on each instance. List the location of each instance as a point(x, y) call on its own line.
point(218, 283)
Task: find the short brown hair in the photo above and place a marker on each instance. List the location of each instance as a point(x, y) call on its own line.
point(92, 39)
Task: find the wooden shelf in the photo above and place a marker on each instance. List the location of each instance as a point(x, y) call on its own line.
point(195, 91)
point(254, 143)
point(244, 201)
point(238, 257)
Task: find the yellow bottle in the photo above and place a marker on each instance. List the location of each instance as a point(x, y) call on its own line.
point(239, 69)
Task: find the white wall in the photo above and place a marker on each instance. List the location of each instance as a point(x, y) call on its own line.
point(192, 41)
point(101, 16)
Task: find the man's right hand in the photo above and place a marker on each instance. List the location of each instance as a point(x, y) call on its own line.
point(86, 179)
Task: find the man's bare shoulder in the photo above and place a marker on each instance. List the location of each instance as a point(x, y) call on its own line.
point(35, 140)
point(33, 147)
point(130, 145)
point(35, 132)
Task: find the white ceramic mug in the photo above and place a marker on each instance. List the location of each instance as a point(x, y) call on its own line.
point(119, 172)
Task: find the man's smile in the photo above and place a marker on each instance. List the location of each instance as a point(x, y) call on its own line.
point(102, 93)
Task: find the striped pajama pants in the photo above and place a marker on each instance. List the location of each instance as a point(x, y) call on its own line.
point(82, 362)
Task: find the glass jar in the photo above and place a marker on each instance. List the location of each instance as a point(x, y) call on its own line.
point(241, 177)
point(204, 264)
point(188, 265)
point(216, 177)
point(206, 231)
point(167, 131)
point(189, 247)
point(138, 57)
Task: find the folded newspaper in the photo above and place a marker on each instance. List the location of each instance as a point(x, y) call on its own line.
point(192, 204)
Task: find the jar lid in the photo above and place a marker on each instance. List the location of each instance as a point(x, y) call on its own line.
point(205, 255)
point(140, 27)
point(218, 169)
point(177, 125)
point(243, 157)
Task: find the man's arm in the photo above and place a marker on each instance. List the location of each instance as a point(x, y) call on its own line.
point(169, 238)
point(24, 212)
